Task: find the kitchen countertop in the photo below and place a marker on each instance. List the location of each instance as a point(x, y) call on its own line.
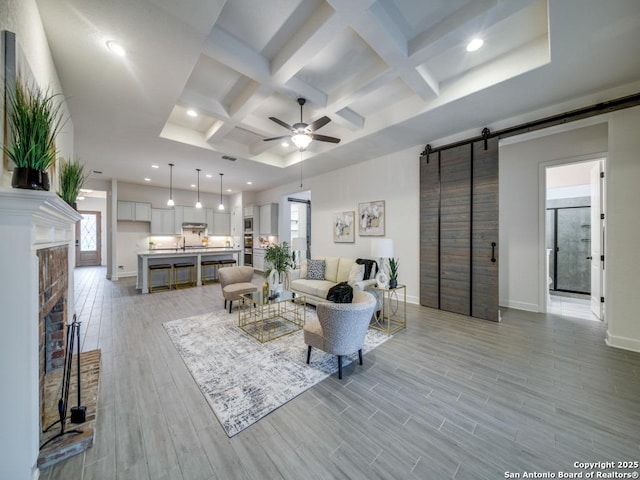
point(188, 251)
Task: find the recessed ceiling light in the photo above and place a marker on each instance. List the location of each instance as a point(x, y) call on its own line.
point(155, 166)
point(249, 183)
point(284, 144)
point(474, 44)
point(193, 185)
point(209, 175)
point(228, 190)
point(116, 48)
point(147, 179)
point(192, 113)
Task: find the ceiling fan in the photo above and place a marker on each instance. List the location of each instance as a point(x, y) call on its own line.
point(302, 133)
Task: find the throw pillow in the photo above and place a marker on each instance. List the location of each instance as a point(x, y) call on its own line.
point(356, 274)
point(315, 269)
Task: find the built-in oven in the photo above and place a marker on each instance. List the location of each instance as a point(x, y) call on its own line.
point(248, 224)
point(248, 250)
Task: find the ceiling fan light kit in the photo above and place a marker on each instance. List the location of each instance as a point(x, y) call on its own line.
point(302, 133)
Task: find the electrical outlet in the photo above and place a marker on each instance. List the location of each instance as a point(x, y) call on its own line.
point(120, 267)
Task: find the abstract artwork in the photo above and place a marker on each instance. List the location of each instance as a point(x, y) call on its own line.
point(344, 227)
point(371, 218)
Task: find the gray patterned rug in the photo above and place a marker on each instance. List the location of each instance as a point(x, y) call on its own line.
point(244, 380)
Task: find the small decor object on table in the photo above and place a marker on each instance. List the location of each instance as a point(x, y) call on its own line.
point(393, 272)
point(278, 261)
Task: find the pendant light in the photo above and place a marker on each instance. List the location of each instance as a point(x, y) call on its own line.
point(198, 204)
point(221, 206)
point(170, 201)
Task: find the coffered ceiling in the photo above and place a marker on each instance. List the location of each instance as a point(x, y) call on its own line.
point(391, 74)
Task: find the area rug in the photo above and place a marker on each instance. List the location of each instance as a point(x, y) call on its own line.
point(244, 380)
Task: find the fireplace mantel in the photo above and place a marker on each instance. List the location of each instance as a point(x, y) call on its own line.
point(29, 221)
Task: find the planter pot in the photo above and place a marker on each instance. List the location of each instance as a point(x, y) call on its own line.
point(393, 283)
point(29, 179)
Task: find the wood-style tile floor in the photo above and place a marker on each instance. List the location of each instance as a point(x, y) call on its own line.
point(450, 397)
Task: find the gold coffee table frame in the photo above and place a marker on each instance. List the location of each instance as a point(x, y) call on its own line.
point(266, 318)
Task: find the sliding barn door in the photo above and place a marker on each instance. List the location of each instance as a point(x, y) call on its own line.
point(459, 230)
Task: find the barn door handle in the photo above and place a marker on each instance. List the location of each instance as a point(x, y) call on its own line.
point(493, 252)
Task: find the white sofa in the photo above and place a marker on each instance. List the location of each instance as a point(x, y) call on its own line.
point(337, 270)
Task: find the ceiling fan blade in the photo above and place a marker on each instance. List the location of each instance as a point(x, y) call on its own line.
point(276, 138)
point(280, 122)
point(319, 123)
point(324, 138)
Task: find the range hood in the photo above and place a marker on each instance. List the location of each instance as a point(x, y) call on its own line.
point(194, 226)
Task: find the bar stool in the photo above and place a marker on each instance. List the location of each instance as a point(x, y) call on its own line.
point(226, 262)
point(206, 266)
point(160, 268)
point(180, 267)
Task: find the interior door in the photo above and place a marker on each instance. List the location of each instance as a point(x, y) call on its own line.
point(597, 240)
point(459, 230)
point(455, 230)
point(88, 235)
point(484, 228)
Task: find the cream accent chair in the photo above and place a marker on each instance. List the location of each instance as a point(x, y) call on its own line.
point(235, 281)
point(341, 327)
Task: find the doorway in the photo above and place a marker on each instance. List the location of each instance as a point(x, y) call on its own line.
point(574, 233)
point(88, 239)
point(300, 224)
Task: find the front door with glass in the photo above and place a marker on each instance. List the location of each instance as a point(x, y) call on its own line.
point(88, 235)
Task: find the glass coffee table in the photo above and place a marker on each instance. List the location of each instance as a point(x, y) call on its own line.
point(267, 317)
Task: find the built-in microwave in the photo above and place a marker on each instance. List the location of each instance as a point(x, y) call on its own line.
point(248, 224)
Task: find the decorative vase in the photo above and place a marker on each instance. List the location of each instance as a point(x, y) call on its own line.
point(273, 279)
point(30, 179)
point(393, 283)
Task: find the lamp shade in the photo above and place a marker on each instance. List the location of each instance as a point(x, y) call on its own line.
point(298, 244)
point(382, 248)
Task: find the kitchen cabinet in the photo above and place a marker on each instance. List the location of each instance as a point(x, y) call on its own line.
point(162, 222)
point(194, 215)
point(269, 219)
point(134, 211)
point(250, 211)
point(258, 259)
point(218, 223)
point(178, 219)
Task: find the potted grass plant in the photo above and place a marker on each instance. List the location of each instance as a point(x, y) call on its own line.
point(34, 121)
point(278, 258)
point(393, 272)
point(71, 178)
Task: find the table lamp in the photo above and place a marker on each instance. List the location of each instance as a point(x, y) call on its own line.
point(382, 248)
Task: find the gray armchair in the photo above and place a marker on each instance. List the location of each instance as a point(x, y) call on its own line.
point(341, 327)
point(235, 281)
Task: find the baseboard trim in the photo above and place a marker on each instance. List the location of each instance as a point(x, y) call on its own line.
point(529, 307)
point(624, 343)
point(127, 274)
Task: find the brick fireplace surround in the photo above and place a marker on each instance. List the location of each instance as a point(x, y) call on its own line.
point(37, 232)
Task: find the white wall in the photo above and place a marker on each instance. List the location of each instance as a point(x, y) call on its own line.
point(622, 263)
point(392, 178)
point(519, 203)
point(22, 18)
point(520, 219)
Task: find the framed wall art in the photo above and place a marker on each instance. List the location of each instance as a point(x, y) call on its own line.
point(344, 227)
point(371, 218)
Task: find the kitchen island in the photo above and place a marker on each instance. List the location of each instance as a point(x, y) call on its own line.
point(178, 255)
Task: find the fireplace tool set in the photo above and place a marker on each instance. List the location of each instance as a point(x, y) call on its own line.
point(78, 413)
